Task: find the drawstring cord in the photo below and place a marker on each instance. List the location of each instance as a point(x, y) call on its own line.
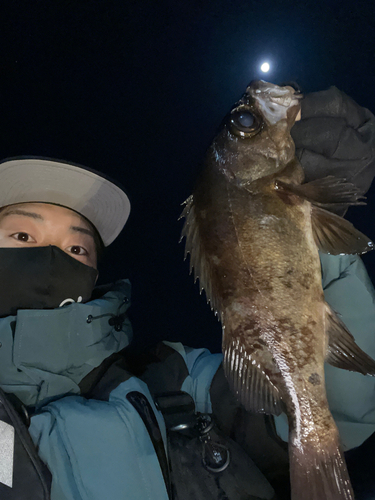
point(115, 320)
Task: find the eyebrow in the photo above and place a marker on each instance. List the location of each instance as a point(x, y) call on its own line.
point(34, 215)
point(18, 211)
point(79, 229)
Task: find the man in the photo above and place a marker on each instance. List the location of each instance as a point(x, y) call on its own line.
point(94, 424)
point(79, 419)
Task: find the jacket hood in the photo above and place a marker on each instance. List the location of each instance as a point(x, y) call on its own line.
point(44, 354)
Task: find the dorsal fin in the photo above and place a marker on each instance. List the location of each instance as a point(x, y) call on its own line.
point(199, 262)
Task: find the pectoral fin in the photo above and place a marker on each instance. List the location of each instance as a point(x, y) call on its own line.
point(335, 235)
point(329, 192)
point(343, 352)
point(249, 382)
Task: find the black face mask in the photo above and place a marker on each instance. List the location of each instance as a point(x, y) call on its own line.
point(42, 278)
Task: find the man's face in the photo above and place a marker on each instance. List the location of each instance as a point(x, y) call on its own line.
point(42, 224)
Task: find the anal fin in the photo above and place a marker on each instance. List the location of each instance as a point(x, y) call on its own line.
point(248, 380)
point(335, 235)
point(343, 352)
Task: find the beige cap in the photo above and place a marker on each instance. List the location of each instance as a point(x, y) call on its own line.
point(102, 202)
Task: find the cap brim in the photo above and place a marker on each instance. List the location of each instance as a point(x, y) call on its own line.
point(102, 202)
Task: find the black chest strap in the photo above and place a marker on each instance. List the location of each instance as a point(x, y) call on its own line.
point(145, 411)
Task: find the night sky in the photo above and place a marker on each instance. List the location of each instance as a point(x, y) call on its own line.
point(136, 90)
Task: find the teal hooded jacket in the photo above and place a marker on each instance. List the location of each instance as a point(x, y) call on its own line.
point(98, 447)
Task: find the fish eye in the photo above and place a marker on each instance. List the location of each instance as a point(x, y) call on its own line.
point(243, 122)
point(245, 119)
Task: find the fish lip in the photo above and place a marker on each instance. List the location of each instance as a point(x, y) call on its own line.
point(298, 95)
point(271, 101)
point(261, 88)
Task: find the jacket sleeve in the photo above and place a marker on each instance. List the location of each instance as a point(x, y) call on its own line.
point(202, 366)
point(173, 367)
point(336, 136)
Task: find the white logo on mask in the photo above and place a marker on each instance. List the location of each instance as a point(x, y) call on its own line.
point(70, 301)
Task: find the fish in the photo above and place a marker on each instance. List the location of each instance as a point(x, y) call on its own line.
point(253, 229)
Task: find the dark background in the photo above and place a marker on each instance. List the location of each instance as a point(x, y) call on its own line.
point(136, 89)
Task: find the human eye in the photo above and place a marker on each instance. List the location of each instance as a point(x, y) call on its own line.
point(77, 250)
point(23, 237)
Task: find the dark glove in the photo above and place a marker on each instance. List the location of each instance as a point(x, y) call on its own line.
point(336, 137)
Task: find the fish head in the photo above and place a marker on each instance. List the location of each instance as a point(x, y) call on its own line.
point(254, 140)
point(277, 105)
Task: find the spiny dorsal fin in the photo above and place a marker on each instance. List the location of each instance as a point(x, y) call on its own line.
point(335, 235)
point(343, 352)
point(248, 380)
point(198, 258)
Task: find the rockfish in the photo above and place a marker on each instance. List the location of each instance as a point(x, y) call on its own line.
point(253, 230)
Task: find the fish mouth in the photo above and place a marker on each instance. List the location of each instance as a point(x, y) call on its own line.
point(280, 95)
point(273, 101)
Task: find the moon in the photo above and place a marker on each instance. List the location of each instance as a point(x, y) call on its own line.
point(265, 67)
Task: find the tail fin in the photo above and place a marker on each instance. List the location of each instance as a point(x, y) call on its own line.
point(317, 473)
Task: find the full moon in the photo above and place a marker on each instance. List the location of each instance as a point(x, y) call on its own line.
point(265, 67)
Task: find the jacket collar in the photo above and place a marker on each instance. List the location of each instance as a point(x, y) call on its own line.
point(44, 354)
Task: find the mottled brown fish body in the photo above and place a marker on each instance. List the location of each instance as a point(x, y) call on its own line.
point(252, 234)
point(266, 277)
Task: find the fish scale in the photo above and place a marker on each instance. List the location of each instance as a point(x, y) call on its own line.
point(253, 230)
